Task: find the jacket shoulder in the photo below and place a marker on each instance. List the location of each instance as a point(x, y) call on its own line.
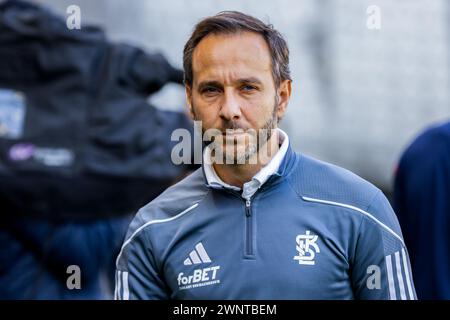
point(174, 201)
point(317, 179)
point(329, 185)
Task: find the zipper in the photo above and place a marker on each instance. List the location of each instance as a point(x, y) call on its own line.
point(248, 209)
point(248, 239)
point(248, 228)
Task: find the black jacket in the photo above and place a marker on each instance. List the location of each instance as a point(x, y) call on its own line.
point(77, 136)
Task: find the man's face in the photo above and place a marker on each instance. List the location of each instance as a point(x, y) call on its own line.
point(233, 90)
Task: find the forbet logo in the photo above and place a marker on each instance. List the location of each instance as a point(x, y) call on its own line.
point(199, 278)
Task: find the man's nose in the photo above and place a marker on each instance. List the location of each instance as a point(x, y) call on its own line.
point(230, 108)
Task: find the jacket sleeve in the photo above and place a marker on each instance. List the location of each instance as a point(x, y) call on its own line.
point(137, 274)
point(380, 267)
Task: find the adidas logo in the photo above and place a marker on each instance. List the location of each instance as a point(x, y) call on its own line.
point(197, 256)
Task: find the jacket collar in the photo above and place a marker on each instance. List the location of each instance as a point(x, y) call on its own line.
point(275, 168)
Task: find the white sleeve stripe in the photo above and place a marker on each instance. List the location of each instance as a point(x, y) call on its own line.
point(150, 223)
point(119, 284)
point(392, 294)
point(126, 292)
point(360, 211)
point(400, 276)
point(115, 287)
point(407, 275)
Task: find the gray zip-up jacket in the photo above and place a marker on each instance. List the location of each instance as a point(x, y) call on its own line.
point(312, 231)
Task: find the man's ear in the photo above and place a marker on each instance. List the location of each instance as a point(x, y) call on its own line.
point(284, 94)
point(188, 92)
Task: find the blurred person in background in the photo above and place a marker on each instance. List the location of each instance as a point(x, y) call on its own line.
point(80, 150)
point(422, 204)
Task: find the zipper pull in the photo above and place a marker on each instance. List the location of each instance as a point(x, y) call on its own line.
point(247, 208)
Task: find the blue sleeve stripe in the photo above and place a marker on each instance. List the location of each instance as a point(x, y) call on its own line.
point(407, 275)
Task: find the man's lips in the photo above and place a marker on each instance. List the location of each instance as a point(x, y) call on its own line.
point(233, 135)
point(233, 131)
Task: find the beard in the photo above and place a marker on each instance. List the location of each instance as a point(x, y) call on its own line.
point(241, 149)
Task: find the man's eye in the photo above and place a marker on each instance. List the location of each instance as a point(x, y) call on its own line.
point(248, 88)
point(210, 90)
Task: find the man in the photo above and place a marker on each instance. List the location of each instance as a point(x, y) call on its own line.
point(422, 202)
point(272, 224)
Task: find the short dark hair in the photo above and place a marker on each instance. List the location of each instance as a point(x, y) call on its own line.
point(229, 22)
